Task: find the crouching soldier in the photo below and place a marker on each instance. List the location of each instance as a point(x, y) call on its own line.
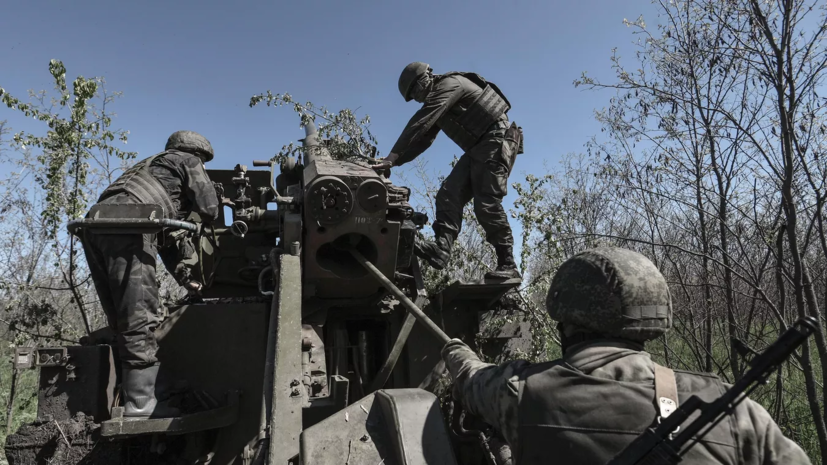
point(123, 265)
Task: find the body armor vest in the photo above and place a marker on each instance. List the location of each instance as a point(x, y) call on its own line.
point(467, 127)
point(138, 182)
point(566, 416)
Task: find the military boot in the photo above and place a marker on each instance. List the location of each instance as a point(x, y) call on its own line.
point(436, 253)
point(138, 386)
point(506, 267)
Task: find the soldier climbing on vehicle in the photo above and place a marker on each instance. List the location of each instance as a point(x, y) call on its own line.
point(123, 264)
point(473, 113)
point(593, 402)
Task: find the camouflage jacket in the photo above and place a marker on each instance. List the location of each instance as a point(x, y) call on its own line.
point(187, 183)
point(423, 128)
point(492, 392)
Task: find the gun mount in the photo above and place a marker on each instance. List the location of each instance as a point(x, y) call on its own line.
point(294, 353)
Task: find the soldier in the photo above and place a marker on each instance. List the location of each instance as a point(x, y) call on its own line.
point(472, 113)
point(592, 403)
point(123, 265)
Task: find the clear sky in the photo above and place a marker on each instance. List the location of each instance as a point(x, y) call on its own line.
point(194, 65)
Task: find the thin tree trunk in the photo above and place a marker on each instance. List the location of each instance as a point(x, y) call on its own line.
point(10, 404)
point(707, 306)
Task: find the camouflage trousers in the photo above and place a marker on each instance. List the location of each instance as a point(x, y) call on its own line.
point(481, 175)
point(123, 270)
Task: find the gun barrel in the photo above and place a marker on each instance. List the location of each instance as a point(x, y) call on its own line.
point(313, 149)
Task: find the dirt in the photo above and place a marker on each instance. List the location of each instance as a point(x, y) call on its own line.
point(78, 442)
point(69, 442)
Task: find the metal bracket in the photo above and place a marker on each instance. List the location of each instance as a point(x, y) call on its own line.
point(667, 406)
point(209, 419)
point(34, 357)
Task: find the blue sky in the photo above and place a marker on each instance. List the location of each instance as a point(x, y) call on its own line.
point(194, 65)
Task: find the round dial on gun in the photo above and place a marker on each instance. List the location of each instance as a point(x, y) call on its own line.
point(372, 196)
point(331, 200)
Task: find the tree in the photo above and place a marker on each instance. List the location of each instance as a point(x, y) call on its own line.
point(45, 291)
point(715, 150)
point(79, 133)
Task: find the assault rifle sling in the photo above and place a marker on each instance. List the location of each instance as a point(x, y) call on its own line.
point(665, 443)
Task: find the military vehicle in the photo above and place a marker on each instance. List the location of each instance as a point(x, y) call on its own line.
point(303, 347)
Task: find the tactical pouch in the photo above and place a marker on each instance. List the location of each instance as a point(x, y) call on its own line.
point(186, 256)
point(515, 134)
point(520, 147)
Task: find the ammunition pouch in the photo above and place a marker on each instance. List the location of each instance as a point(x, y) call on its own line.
point(515, 135)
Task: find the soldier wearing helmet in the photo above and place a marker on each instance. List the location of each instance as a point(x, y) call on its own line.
point(123, 265)
point(472, 113)
point(589, 405)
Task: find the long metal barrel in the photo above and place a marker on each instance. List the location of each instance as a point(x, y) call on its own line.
point(412, 308)
point(313, 149)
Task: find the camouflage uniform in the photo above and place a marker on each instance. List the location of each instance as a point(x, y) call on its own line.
point(482, 171)
point(123, 265)
point(587, 406)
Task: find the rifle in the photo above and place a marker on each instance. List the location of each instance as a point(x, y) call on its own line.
point(667, 442)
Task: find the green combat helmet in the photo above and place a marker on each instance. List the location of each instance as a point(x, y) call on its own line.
point(611, 292)
point(190, 142)
point(409, 76)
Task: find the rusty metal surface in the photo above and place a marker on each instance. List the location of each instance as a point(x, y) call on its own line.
point(323, 407)
point(218, 348)
point(351, 436)
point(287, 393)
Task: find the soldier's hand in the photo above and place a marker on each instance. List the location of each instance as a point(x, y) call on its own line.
point(382, 165)
point(192, 287)
point(385, 164)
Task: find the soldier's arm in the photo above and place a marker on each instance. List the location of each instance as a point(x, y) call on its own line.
point(199, 189)
point(169, 257)
point(421, 130)
point(762, 439)
point(173, 258)
point(487, 391)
